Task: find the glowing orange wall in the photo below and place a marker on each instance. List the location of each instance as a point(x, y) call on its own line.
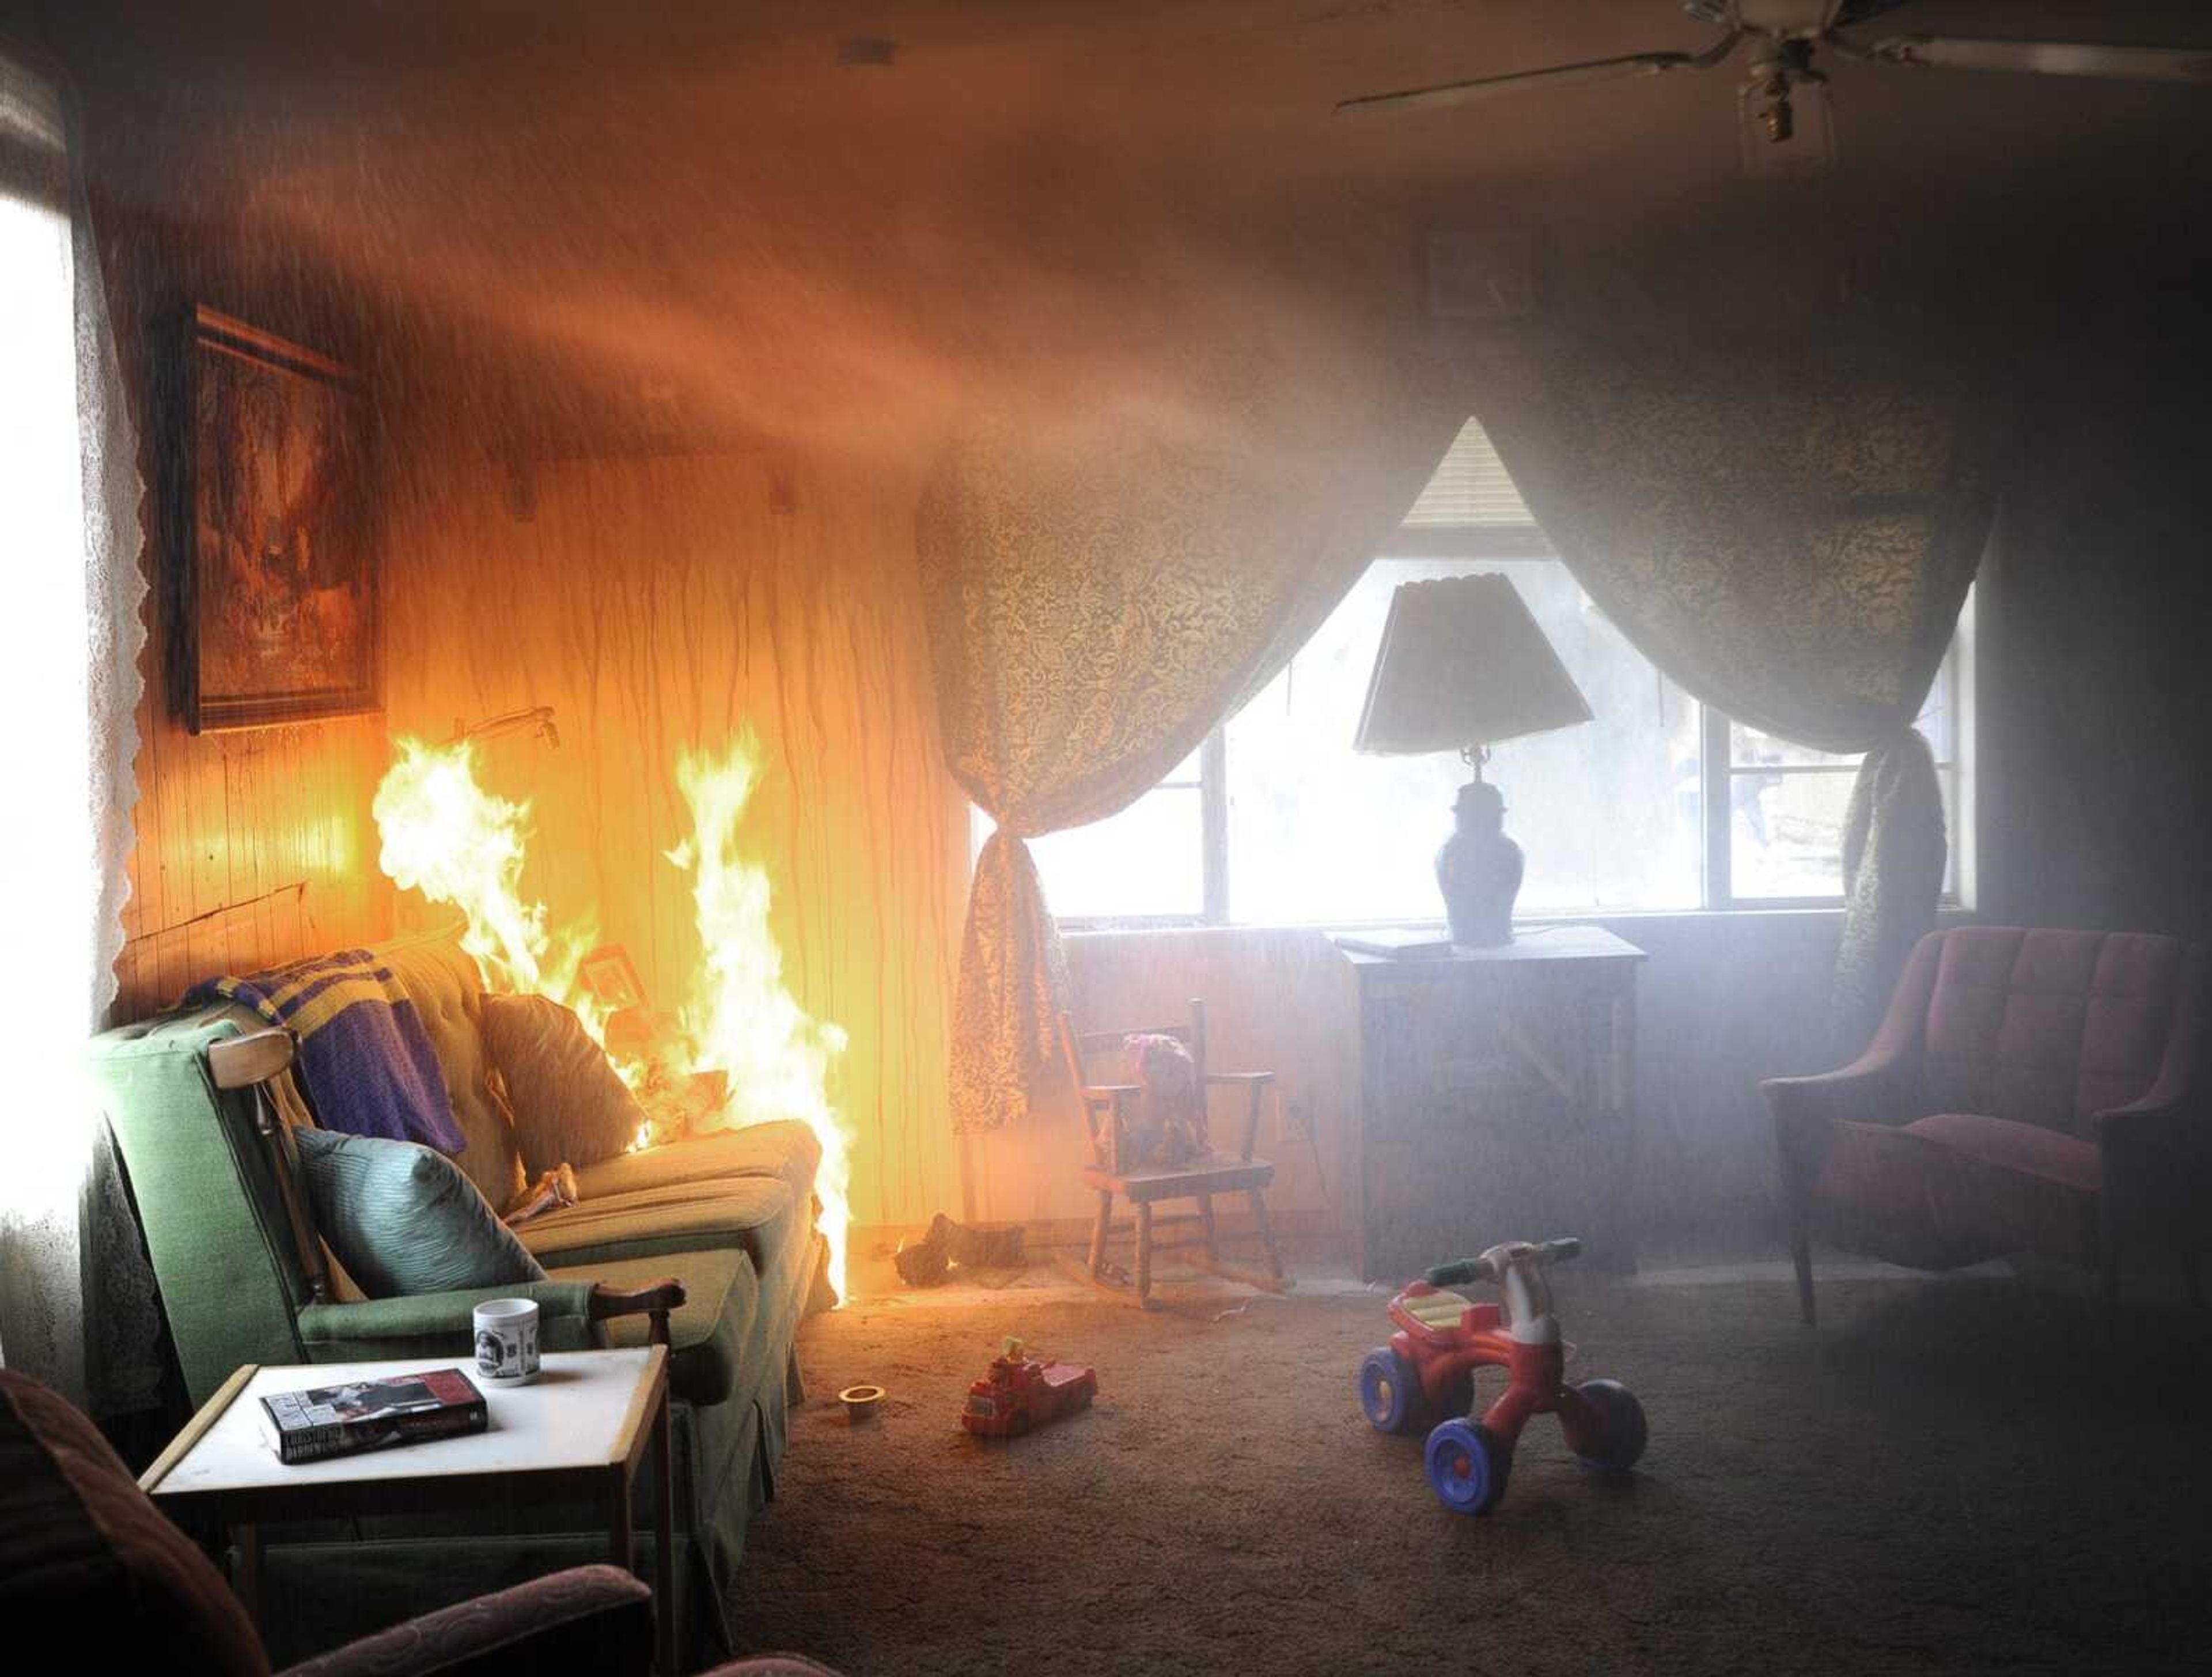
point(660, 601)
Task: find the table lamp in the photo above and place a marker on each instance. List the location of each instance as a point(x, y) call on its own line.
point(1463, 665)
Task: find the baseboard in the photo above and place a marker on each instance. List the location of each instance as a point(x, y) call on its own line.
point(1042, 1234)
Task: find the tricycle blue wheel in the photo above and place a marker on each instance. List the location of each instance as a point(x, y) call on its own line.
point(1467, 1466)
point(1390, 1392)
point(1624, 1432)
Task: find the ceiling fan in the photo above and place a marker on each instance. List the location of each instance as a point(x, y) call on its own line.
point(1783, 103)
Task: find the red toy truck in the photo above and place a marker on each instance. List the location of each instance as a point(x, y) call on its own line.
point(1020, 1392)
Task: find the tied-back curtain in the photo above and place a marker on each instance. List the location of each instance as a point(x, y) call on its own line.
point(1098, 600)
point(1788, 531)
point(68, 677)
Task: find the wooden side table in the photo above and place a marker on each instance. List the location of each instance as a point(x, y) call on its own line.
point(1497, 1099)
point(579, 1431)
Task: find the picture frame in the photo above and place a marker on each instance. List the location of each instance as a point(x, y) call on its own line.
point(612, 978)
point(278, 616)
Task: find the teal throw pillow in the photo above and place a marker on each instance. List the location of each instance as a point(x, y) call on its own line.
point(403, 1219)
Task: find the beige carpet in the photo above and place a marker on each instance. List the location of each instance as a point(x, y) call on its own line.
point(1965, 1475)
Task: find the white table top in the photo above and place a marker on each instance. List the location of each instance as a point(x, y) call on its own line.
point(1567, 940)
point(583, 1410)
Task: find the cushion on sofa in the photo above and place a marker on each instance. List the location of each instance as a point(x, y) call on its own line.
point(403, 1219)
point(86, 1554)
point(568, 1106)
point(1958, 1188)
point(751, 1214)
point(707, 1333)
point(440, 978)
point(2028, 1150)
point(785, 1149)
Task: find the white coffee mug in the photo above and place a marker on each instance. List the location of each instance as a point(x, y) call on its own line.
point(507, 1340)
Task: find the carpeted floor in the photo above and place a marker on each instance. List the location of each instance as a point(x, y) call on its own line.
point(1973, 1475)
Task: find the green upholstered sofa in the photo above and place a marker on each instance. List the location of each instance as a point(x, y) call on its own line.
point(730, 1214)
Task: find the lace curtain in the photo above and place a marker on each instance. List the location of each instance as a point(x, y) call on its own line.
point(1787, 530)
point(1099, 598)
point(69, 648)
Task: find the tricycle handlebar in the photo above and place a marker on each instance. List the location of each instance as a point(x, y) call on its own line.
point(1490, 1265)
point(1459, 1273)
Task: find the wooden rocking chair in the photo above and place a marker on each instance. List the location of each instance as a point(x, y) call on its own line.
point(1106, 1109)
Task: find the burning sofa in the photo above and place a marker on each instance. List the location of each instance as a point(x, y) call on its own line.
point(730, 1213)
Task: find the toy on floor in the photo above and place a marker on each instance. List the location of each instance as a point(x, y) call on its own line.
point(1427, 1371)
point(928, 1262)
point(1020, 1392)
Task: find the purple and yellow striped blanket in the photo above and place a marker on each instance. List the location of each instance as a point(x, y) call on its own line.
point(364, 1055)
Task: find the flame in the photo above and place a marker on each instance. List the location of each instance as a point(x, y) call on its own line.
point(445, 836)
point(741, 1020)
point(742, 1051)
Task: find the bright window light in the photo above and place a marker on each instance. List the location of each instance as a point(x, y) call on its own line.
point(42, 651)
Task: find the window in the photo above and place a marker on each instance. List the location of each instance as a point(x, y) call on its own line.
point(1657, 804)
point(1775, 831)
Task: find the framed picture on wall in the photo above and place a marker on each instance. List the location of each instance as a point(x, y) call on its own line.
point(279, 615)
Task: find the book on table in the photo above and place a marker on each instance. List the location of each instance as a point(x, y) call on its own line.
point(1396, 943)
point(371, 1414)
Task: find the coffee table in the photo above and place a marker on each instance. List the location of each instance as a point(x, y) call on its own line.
point(579, 1431)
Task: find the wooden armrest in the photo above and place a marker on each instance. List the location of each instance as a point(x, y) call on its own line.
point(655, 1299)
point(247, 1061)
point(1240, 1079)
point(254, 1061)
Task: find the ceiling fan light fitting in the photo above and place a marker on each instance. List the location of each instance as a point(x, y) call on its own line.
point(1786, 126)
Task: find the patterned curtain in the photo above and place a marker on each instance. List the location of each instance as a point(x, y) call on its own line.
point(77, 1307)
point(1098, 600)
point(1788, 531)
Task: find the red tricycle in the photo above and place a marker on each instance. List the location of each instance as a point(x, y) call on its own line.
point(1427, 1371)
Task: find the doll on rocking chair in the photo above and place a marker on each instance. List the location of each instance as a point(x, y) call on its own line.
point(1168, 1126)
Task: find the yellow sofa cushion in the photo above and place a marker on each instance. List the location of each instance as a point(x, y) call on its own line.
point(751, 1214)
point(785, 1150)
point(441, 980)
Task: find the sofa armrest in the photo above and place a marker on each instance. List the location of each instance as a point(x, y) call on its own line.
point(657, 1299)
point(431, 1323)
point(2166, 1114)
point(596, 1621)
point(1866, 1092)
point(2167, 1123)
point(1873, 1089)
point(2157, 1150)
point(2157, 1160)
point(1877, 1088)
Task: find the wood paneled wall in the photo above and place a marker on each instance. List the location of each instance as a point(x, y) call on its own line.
point(254, 847)
point(657, 602)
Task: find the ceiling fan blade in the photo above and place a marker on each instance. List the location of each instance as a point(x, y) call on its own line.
point(2049, 57)
point(1558, 75)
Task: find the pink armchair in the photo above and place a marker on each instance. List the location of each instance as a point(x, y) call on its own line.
point(2028, 1090)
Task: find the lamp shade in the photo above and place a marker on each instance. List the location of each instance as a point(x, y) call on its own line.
point(1462, 664)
